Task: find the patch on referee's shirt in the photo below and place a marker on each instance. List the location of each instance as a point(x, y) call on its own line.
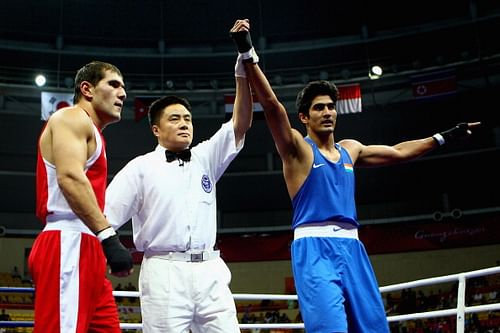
point(348, 167)
point(206, 184)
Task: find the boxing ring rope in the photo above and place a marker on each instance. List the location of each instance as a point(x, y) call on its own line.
point(459, 311)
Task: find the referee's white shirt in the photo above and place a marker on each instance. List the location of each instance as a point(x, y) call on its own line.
point(172, 205)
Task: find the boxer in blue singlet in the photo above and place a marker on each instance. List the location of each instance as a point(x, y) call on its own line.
point(335, 283)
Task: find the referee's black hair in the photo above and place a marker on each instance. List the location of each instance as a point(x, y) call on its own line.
point(156, 108)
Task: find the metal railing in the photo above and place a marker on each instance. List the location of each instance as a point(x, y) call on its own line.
point(460, 310)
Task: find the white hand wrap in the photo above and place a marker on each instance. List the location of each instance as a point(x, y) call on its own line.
point(106, 233)
point(239, 68)
point(439, 139)
point(250, 54)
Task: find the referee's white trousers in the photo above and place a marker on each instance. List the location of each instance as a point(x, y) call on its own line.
point(178, 296)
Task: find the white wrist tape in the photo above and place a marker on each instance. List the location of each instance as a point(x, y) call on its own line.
point(250, 54)
point(439, 138)
point(239, 68)
point(106, 233)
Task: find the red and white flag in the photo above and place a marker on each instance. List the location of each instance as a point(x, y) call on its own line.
point(229, 104)
point(349, 99)
point(51, 102)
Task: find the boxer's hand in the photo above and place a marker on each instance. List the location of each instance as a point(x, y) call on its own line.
point(241, 36)
point(118, 257)
point(242, 40)
point(240, 33)
point(460, 131)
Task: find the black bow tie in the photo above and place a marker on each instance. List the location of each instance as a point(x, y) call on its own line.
point(184, 155)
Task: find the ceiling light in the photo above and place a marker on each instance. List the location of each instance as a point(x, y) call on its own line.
point(68, 82)
point(40, 80)
point(278, 80)
point(375, 72)
point(345, 73)
point(304, 78)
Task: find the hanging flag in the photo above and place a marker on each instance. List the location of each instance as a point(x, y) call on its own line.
point(141, 106)
point(229, 106)
point(51, 102)
point(349, 99)
point(435, 84)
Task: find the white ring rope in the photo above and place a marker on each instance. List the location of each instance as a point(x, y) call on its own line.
point(459, 311)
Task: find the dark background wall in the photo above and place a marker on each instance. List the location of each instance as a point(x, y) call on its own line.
point(252, 192)
point(158, 43)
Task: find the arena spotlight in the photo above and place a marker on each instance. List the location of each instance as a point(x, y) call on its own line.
point(151, 85)
point(68, 82)
point(345, 73)
point(40, 80)
point(375, 72)
point(323, 75)
point(214, 84)
point(170, 84)
point(278, 80)
point(304, 78)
